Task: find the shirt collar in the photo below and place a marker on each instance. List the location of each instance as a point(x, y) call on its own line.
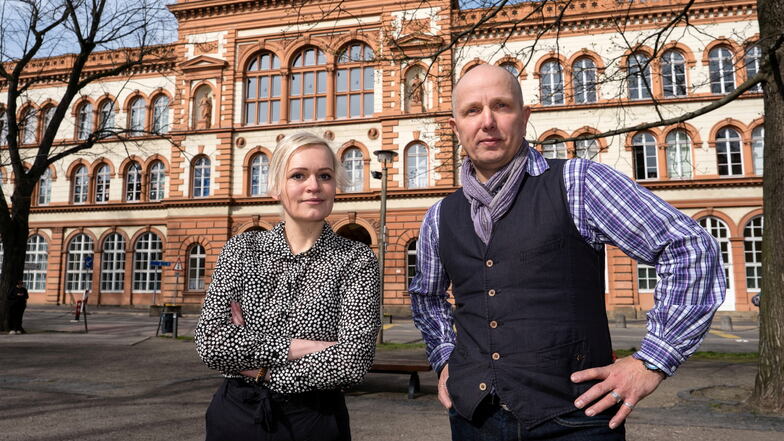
point(323, 243)
point(536, 164)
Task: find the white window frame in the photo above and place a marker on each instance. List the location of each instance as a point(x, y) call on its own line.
point(201, 177)
point(679, 164)
point(147, 278)
point(79, 277)
point(721, 70)
point(673, 71)
point(417, 166)
point(36, 263)
point(729, 152)
point(752, 253)
point(113, 263)
point(197, 258)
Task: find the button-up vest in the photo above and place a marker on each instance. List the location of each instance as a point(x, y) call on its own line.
point(529, 306)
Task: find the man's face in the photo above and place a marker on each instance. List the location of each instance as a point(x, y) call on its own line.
point(489, 118)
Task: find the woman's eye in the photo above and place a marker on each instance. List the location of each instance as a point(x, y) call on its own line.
point(326, 177)
point(297, 176)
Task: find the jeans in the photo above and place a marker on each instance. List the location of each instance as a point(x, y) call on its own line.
point(493, 423)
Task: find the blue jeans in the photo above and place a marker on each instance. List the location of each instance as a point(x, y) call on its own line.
point(492, 423)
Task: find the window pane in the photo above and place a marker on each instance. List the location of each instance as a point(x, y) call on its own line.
point(263, 112)
point(296, 83)
point(250, 113)
point(341, 81)
point(264, 87)
point(251, 88)
point(354, 104)
point(307, 107)
point(322, 82)
point(368, 104)
point(294, 113)
point(340, 106)
point(369, 71)
point(355, 79)
point(321, 103)
point(309, 83)
point(276, 86)
point(275, 117)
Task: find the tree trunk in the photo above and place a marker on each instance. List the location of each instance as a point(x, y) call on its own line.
point(768, 393)
point(14, 249)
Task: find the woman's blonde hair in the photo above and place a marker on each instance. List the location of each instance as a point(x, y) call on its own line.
point(287, 147)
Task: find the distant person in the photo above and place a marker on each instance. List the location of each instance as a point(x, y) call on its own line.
point(522, 244)
point(291, 315)
point(17, 297)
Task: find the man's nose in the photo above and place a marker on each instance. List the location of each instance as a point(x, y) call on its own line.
point(488, 119)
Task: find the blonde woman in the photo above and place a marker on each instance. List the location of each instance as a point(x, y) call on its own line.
point(291, 315)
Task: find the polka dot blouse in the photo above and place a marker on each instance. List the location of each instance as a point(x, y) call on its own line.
point(328, 293)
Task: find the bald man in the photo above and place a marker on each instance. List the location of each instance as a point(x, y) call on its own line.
point(522, 244)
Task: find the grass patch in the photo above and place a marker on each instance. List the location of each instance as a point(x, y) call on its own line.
point(399, 346)
point(735, 357)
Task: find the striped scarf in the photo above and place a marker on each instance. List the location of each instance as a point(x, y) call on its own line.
point(490, 201)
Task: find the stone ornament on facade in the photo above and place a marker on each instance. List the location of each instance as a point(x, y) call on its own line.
point(205, 112)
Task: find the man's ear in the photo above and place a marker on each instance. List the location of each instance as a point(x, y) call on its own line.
point(526, 115)
point(453, 125)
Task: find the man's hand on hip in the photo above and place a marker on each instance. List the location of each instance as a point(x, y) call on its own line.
point(624, 382)
point(443, 393)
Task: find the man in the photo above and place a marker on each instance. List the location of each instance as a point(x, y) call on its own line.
point(17, 298)
point(522, 245)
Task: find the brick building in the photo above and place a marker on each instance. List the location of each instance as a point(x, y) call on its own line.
point(372, 75)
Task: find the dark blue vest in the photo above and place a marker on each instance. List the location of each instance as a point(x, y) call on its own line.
point(529, 305)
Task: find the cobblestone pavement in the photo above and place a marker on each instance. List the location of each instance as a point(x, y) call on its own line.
point(120, 382)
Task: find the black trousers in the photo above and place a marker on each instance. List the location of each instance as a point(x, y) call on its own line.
point(16, 314)
point(240, 411)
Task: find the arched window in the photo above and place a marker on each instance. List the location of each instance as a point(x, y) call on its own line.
point(586, 149)
point(411, 260)
point(308, 86)
point(196, 261)
point(47, 115)
point(639, 78)
point(262, 89)
point(511, 68)
point(753, 55)
point(29, 125)
point(722, 70)
point(718, 229)
point(259, 175)
point(133, 182)
point(416, 166)
point(36, 260)
point(354, 81)
point(106, 116)
point(45, 188)
point(645, 156)
point(113, 263)
point(678, 155)
point(673, 71)
point(160, 115)
point(556, 149)
point(584, 78)
point(84, 121)
point(752, 245)
point(79, 271)
point(757, 149)
point(102, 180)
point(157, 181)
point(728, 152)
point(551, 85)
point(354, 164)
point(80, 185)
point(201, 177)
point(136, 124)
point(147, 278)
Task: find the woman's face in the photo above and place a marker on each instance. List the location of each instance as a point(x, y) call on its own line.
point(309, 186)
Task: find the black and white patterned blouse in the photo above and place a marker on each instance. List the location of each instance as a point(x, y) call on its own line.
point(328, 293)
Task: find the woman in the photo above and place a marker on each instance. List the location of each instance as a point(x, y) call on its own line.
point(291, 315)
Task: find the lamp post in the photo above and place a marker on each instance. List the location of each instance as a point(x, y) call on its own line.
point(384, 157)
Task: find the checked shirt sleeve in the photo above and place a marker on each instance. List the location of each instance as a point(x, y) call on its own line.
point(222, 345)
point(432, 313)
point(610, 208)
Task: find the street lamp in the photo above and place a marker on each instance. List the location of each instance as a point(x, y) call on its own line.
point(384, 157)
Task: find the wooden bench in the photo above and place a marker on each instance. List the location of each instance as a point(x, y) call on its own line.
point(410, 367)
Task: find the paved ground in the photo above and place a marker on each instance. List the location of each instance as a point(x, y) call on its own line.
point(120, 382)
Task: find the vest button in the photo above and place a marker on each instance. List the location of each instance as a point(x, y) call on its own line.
point(482, 386)
point(491, 293)
point(494, 324)
point(496, 355)
point(489, 263)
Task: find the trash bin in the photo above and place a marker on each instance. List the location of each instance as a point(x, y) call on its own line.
point(167, 326)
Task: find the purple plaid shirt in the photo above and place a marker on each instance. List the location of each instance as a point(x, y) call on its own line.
point(607, 208)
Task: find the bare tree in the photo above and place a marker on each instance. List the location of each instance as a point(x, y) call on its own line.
point(110, 38)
